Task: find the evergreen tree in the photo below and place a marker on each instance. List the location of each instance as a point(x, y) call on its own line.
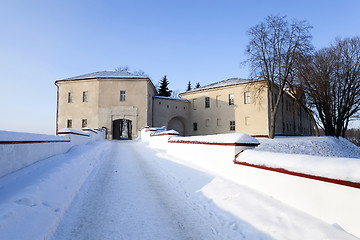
point(188, 86)
point(197, 85)
point(163, 89)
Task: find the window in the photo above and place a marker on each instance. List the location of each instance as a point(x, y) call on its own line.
point(287, 106)
point(218, 122)
point(207, 102)
point(231, 99)
point(70, 97)
point(84, 123)
point(217, 100)
point(194, 103)
point(246, 97)
point(123, 94)
point(283, 124)
point(69, 123)
point(85, 96)
point(232, 125)
point(195, 126)
point(207, 122)
point(247, 121)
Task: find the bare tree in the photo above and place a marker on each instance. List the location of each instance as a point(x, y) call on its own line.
point(331, 79)
point(141, 73)
point(123, 68)
point(274, 49)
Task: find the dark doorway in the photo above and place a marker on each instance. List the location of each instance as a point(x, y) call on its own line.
point(122, 129)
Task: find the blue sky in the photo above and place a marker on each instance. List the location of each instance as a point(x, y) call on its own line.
point(200, 41)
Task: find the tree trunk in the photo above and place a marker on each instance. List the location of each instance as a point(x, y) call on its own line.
point(272, 124)
point(313, 121)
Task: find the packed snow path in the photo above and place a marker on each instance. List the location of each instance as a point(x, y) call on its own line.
point(142, 193)
point(124, 200)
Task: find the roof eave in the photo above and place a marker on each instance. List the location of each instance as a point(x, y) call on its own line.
point(94, 78)
point(210, 88)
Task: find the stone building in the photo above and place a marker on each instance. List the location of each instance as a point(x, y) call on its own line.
point(124, 103)
point(118, 100)
point(241, 105)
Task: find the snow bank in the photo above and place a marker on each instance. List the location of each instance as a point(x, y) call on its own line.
point(347, 169)
point(316, 146)
point(21, 136)
point(333, 203)
point(18, 150)
point(34, 199)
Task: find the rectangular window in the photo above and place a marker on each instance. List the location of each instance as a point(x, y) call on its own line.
point(247, 121)
point(85, 96)
point(195, 126)
point(231, 99)
point(69, 123)
point(194, 103)
point(246, 97)
point(84, 123)
point(218, 122)
point(123, 95)
point(207, 122)
point(232, 125)
point(70, 97)
point(207, 102)
point(217, 100)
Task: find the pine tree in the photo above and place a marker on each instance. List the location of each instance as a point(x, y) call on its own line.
point(197, 85)
point(188, 86)
point(163, 89)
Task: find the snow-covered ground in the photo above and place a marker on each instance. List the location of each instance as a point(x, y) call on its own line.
point(126, 190)
point(316, 146)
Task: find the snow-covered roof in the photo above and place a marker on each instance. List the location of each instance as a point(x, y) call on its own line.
point(106, 74)
point(170, 98)
point(223, 83)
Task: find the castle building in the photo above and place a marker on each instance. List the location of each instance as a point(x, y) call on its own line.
point(242, 105)
point(118, 100)
point(124, 103)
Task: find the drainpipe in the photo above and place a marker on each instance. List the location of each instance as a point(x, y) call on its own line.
point(57, 106)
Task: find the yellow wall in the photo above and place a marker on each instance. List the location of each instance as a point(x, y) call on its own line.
point(104, 103)
point(78, 110)
point(249, 118)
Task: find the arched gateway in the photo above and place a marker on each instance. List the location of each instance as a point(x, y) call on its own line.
point(122, 129)
point(177, 123)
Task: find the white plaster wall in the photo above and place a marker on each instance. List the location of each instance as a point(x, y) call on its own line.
point(16, 156)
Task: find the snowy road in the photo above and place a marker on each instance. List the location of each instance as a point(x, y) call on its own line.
point(142, 193)
point(125, 200)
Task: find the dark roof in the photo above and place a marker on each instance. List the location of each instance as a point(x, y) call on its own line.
point(223, 83)
point(105, 74)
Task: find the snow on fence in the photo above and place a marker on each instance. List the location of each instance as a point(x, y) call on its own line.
point(18, 150)
point(324, 187)
point(223, 146)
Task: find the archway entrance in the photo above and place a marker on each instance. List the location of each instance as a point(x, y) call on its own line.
point(176, 124)
point(122, 129)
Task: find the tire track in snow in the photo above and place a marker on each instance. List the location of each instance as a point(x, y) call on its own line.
point(123, 200)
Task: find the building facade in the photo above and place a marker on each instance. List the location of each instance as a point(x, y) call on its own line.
point(119, 101)
point(124, 103)
point(242, 105)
